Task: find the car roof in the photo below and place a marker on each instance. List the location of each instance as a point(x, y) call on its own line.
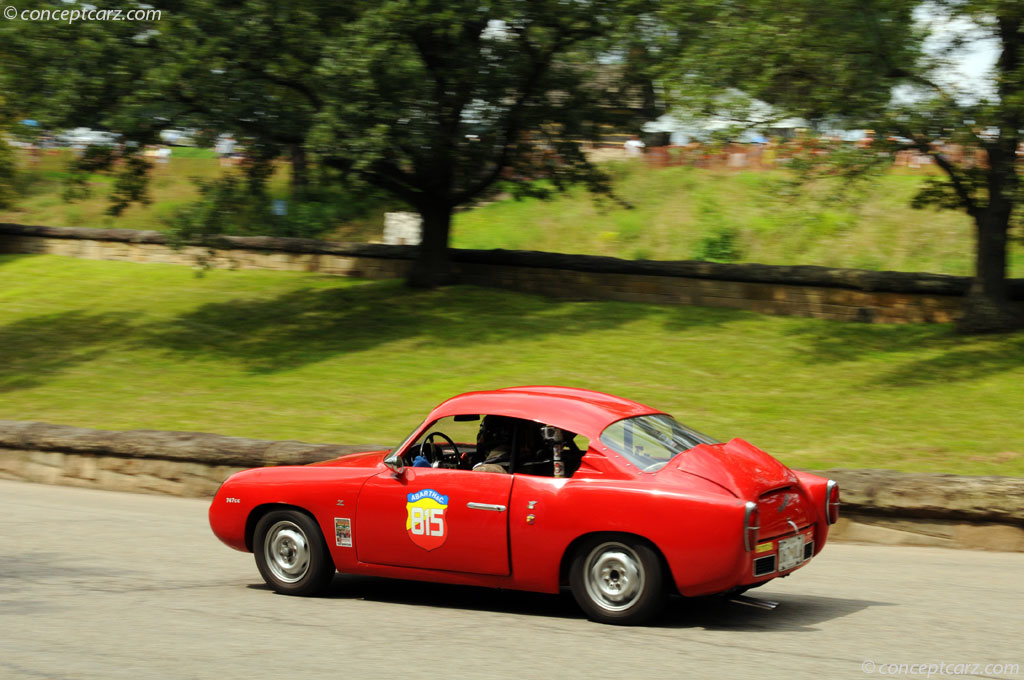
point(580, 411)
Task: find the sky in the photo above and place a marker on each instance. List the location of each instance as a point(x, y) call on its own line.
point(969, 68)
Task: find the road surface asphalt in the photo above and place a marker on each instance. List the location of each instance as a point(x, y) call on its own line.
point(103, 585)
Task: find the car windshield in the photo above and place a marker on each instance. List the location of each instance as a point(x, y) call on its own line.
point(649, 442)
point(406, 441)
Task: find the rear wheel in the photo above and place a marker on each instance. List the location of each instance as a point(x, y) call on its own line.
point(618, 580)
point(291, 554)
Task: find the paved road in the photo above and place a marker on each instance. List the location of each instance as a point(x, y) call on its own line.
point(96, 584)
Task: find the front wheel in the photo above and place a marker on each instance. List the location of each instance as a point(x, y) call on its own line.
point(291, 554)
point(619, 581)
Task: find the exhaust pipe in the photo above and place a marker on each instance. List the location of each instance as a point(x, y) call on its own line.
point(754, 602)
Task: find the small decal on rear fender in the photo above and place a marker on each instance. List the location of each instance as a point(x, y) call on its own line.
point(343, 532)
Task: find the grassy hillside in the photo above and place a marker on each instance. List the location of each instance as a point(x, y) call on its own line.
point(41, 187)
point(171, 186)
point(676, 213)
point(674, 210)
point(288, 355)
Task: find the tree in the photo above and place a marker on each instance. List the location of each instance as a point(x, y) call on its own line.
point(884, 65)
point(437, 102)
point(990, 191)
point(247, 68)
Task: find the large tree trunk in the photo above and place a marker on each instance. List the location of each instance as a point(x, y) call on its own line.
point(433, 265)
point(987, 308)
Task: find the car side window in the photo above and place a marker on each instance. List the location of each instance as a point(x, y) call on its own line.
point(449, 442)
point(486, 443)
point(550, 452)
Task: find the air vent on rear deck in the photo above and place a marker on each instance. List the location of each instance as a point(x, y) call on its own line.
point(764, 565)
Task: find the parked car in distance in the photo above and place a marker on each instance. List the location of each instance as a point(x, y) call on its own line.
point(82, 137)
point(537, 488)
point(178, 137)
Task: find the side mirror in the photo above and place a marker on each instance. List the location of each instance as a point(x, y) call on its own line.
point(395, 464)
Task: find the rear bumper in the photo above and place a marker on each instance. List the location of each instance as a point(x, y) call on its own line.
point(769, 559)
point(745, 570)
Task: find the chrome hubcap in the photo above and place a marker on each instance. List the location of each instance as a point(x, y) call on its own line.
point(287, 551)
point(614, 576)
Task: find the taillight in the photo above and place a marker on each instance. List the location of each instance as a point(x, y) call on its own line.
point(751, 523)
point(832, 502)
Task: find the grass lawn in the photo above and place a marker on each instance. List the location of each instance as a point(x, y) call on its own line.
point(304, 356)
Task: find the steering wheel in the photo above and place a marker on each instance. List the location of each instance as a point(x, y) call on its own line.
point(428, 443)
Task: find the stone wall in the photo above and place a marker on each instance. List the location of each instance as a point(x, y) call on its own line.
point(955, 511)
point(189, 464)
point(879, 506)
point(123, 245)
point(822, 292)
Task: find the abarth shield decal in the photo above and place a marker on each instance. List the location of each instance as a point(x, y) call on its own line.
point(426, 523)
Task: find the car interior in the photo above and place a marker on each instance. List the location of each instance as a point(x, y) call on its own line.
point(497, 444)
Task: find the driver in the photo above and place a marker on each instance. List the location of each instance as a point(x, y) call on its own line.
point(494, 443)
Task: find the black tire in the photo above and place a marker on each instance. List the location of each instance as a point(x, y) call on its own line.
point(291, 553)
point(618, 580)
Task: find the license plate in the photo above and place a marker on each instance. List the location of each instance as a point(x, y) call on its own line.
point(791, 552)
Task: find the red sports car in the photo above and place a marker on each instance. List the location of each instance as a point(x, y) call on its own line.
point(536, 488)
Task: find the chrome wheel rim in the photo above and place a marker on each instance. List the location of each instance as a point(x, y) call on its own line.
point(287, 551)
point(614, 577)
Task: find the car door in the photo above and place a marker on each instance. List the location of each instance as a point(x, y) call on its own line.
point(435, 518)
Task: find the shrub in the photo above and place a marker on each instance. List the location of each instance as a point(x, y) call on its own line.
point(234, 205)
point(721, 245)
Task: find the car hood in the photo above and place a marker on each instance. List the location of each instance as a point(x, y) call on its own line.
point(737, 466)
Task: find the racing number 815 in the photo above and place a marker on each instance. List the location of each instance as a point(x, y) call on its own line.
point(427, 522)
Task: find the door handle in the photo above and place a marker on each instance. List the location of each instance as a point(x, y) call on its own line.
point(485, 506)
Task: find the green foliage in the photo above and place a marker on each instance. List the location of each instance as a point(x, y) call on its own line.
point(8, 173)
point(80, 170)
point(819, 60)
point(938, 193)
point(130, 176)
point(437, 101)
point(239, 204)
point(722, 245)
point(232, 205)
point(852, 170)
point(131, 183)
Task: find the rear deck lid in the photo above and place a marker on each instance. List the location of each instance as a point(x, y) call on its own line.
point(737, 466)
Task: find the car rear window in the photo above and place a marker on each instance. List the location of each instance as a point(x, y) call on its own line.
point(649, 442)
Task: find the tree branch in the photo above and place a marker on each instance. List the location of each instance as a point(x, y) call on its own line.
point(382, 174)
point(513, 122)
